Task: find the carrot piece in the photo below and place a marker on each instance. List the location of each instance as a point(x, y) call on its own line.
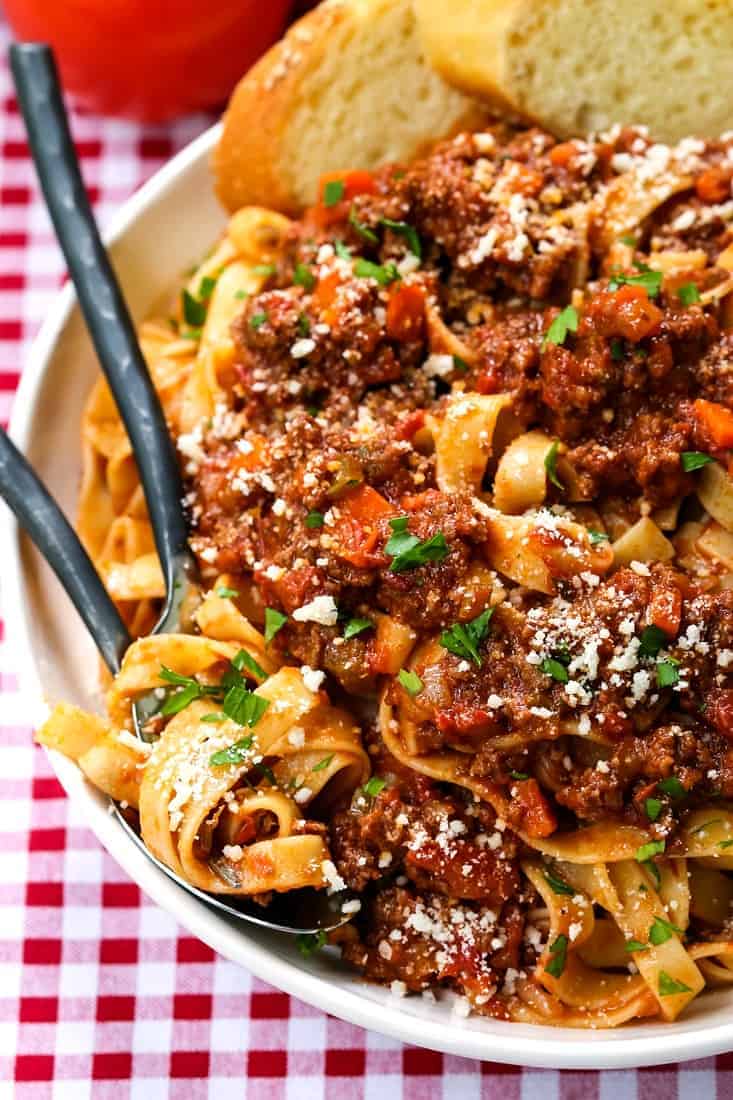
point(665, 610)
point(356, 182)
point(562, 154)
point(713, 185)
point(406, 314)
point(537, 817)
point(357, 533)
point(716, 421)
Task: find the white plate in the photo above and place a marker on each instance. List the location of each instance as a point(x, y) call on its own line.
point(159, 233)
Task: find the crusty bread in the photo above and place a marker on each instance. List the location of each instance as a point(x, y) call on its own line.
point(348, 87)
point(580, 65)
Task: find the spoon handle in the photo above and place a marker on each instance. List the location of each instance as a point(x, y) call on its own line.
point(108, 320)
point(39, 514)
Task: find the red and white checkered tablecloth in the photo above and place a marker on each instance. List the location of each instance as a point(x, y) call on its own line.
point(102, 995)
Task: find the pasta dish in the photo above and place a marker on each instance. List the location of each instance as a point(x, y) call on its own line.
point(457, 452)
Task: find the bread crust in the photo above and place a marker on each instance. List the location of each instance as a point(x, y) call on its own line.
point(246, 162)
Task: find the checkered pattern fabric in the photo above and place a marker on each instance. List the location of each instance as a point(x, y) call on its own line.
point(102, 995)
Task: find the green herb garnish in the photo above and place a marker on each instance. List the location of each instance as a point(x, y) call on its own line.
point(408, 232)
point(635, 945)
point(650, 280)
point(235, 754)
point(333, 192)
point(694, 460)
point(672, 787)
point(652, 639)
point(206, 287)
point(365, 269)
point(264, 270)
point(372, 788)
point(565, 322)
point(597, 537)
point(410, 681)
point(363, 230)
point(194, 311)
point(558, 886)
point(310, 942)
point(661, 931)
point(408, 551)
point(314, 519)
point(274, 622)
point(558, 955)
point(668, 986)
point(688, 294)
point(323, 763)
point(668, 672)
point(551, 465)
point(357, 626)
point(554, 668)
point(303, 276)
point(646, 851)
point(257, 320)
point(653, 808)
point(464, 639)
point(227, 593)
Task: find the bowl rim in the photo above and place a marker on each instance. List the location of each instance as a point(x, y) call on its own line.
point(516, 1044)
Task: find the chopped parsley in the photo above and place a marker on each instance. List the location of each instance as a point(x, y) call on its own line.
point(668, 986)
point(363, 230)
point(636, 945)
point(558, 886)
point(314, 519)
point(333, 192)
point(565, 322)
point(705, 825)
point(668, 673)
point(235, 754)
point(304, 325)
point(194, 311)
point(688, 294)
point(597, 536)
point(661, 931)
point(552, 667)
point(190, 689)
point(365, 269)
point(357, 626)
point(672, 787)
point(342, 250)
point(410, 681)
point(240, 294)
point(694, 460)
point(648, 279)
point(245, 660)
point(652, 639)
point(257, 320)
point(551, 465)
point(214, 718)
point(408, 551)
point(460, 364)
point(725, 843)
point(617, 349)
point(648, 850)
point(408, 232)
point(227, 593)
point(323, 763)
point(243, 706)
point(558, 956)
point(464, 639)
point(264, 270)
point(274, 622)
point(628, 239)
point(303, 276)
point(310, 942)
point(518, 776)
point(372, 788)
point(653, 808)
point(206, 287)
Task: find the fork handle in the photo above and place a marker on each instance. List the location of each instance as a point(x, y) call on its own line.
point(39, 514)
point(102, 304)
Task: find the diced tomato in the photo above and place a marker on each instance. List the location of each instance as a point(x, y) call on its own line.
point(294, 588)
point(357, 182)
point(713, 185)
point(357, 532)
point(635, 315)
point(255, 458)
point(537, 817)
point(465, 721)
point(406, 314)
point(410, 424)
point(665, 610)
point(716, 421)
point(247, 831)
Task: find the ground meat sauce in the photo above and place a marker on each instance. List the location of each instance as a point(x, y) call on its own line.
point(574, 705)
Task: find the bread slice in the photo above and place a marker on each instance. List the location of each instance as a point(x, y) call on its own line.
point(580, 65)
point(348, 87)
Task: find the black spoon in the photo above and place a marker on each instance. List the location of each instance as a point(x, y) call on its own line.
point(112, 332)
point(115, 341)
point(38, 513)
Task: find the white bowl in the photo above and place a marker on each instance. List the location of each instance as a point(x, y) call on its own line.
point(159, 233)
